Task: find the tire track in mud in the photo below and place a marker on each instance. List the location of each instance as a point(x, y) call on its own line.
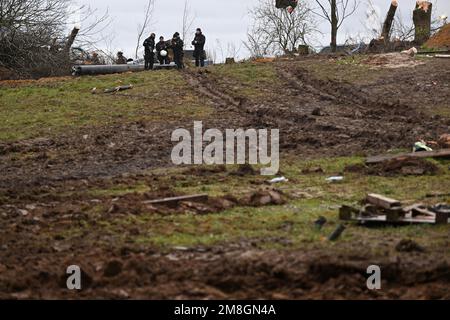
point(199, 83)
point(338, 92)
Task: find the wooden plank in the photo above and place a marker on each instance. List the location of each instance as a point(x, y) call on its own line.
point(424, 220)
point(346, 212)
point(195, 197)
point(394, 214)
point(441, 218)
point(422, 212)
point(412, 207)
point(444, 153)
point(382, 201)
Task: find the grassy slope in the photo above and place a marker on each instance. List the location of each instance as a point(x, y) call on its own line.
point(35, 109)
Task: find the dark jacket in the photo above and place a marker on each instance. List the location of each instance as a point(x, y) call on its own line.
point(149, 45)
point(177, 46)
point(161, 45)
point(199, 42)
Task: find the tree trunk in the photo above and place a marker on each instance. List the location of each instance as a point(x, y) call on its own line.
point(422, 22)
point(387, 26)
point(71, 38)
point(334, 26)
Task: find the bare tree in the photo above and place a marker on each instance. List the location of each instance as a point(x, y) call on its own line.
point(335, 12)
point(276, 31)
point(188, 21)
point(34, 37)
point(143, 28)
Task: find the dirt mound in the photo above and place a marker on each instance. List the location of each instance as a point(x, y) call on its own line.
point(440, 39)
point(392, 60)
point(406, 166)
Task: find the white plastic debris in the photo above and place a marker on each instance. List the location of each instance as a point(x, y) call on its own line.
point(411, 52)
point(279, 180)
point(335, 179)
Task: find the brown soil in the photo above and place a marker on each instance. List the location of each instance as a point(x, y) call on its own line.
point(396, 167)
point(238, 271)
point(39, 177)
point(441, 39)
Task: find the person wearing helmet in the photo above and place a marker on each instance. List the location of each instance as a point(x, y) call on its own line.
point(121, 58)
point(199, 48)
point(149, 45)
point(177, 46)
point(161, 50)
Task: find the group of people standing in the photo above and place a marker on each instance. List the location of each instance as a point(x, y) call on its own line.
point(177, 46)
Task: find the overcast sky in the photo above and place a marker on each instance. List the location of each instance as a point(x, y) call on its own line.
point(226, 21)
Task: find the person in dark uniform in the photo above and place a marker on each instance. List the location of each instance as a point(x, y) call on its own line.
point(162, 46)
point(149, 45)
point(177, 46)
point(199, 48)
point(121, 58)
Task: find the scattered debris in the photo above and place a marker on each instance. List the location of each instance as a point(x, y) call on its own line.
point(411, 52)
point(278, 180)
point(263, 198)
point(383, 202)
point(444, 153)
point(407, 245)
point(392, 60)
point(401, 166)
point(421, 146)
point(176, 200)
point(317, 112)
point(118, 88)
point(444, 141)
point(337, 233)
point(335, 179)
point(115, 89)
point(319, 223)
point(379, 208)
point(263, 60)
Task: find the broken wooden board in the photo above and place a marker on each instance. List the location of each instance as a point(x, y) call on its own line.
point(346, 212)
point(444, 153)
point(382, 201)
point(175, 200)
point(119, 88)
point(383, 209)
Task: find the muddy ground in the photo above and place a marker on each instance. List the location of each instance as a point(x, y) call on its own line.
point(317, 118)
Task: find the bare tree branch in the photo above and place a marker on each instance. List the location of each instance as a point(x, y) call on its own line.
point(188, 21)
point(143, 28)
point(276, 31)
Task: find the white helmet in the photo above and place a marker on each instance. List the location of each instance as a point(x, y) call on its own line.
point(163, 53)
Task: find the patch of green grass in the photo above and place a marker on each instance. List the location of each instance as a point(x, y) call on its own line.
point(247, 78)
point(291, 225)
point(50, 108)
point(350, 69)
